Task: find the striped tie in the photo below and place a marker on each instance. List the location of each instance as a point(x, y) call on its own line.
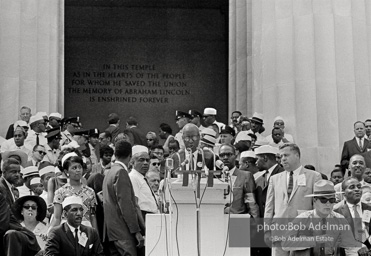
point(291, 184)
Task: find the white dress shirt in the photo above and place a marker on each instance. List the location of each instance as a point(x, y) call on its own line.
point(142, 191)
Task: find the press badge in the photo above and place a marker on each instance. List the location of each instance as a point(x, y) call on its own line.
point(301, 180)
point(83, 239)
point(366, 216)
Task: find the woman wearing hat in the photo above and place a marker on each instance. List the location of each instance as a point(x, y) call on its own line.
point(73, 167)
point(31, 211)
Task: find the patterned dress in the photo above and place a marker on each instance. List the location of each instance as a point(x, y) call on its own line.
point(88, 198)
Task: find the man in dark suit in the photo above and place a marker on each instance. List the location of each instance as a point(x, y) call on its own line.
point(11, 178)
point(192, 157)
point(73, 238)
point(24, 114)
point(243, 185)
point(267, 163)
point(355, 212)
point(122, 218)
point(135, 134)
point(357, 145)
point(17, 240)
point(114, 125)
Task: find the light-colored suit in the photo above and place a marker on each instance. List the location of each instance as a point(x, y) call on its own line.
point(278, 205)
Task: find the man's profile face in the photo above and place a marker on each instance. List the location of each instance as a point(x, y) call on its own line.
point(255, 126)
point(260, 162)
point(181, 122)
point(154, 181)
point(367, 175)
point(25, 114)
point(359, 130)
point(228, 156)
point(13, 174)
point(368, 128)
point(39, 153)
point(104, 140)
point(289, 158)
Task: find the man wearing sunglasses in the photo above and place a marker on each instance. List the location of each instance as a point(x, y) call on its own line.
point(321, 230)
point(38, 154)
point(356, 212)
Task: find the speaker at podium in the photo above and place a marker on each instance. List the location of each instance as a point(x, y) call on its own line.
point(201, 228)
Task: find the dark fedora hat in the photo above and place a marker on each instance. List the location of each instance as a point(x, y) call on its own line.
point(41, 207)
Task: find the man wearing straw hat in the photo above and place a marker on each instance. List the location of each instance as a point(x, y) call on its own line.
point(321, 230)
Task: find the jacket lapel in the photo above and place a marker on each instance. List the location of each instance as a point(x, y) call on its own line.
point(284, 183)
point(69, 234)
point(346, 213)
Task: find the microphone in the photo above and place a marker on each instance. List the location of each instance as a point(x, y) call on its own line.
point(219, 164)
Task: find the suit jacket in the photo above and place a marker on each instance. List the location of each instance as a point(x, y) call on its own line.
point(262, 189)
point(278, 205)
point(61, 241)
point(10, 132)
point(343, 209)
point(243, 189)
point(351, 148)
point(209, 158)
point(114, 130)
point(6, 191)
point(367, 156)
point(119, 202)
point(137, 136)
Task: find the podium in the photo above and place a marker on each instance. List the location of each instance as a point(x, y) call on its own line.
point(166, 233)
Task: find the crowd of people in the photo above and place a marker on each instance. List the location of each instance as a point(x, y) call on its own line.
point(68, 190)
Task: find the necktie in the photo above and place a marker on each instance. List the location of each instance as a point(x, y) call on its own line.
point(291, 184)
point(357, 224)
point(360, 144)
point(265, 175)
point(37, 139)
point(77, 241)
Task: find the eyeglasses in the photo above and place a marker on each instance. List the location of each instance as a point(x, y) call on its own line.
point(156, 164)
point(27, 207)
point(41, 152)
point(228, 154)
point(193, 138)
point(150, 139)
point(324, 200)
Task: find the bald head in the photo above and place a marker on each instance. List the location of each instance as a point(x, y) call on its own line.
point(191, 136)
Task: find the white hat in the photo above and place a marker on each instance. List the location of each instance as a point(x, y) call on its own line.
point(208, 131)
point(43, 114)
point(72, 144)
point(72, 200)
point(68, 155)
point(46, 169)
point(247, 154)
point(257, 117)
point(210, 111)
point(29, 171)
point(139, 149)
point(56, 115)
point(35, 181)
point(243, 135)
point(278, 118)
point(20, 123)
point(266, 149)
point(36, 118)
